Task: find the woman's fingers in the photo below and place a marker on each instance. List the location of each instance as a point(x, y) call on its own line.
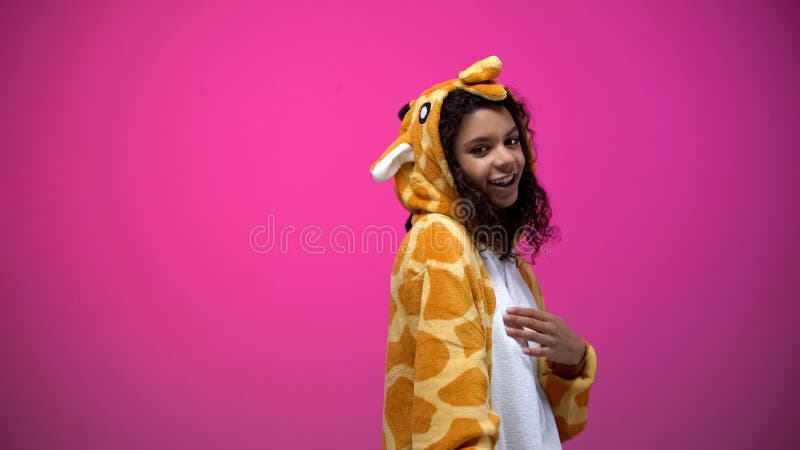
point(558, 342)
point(529, 335)
point(518, 321)
point(530, 312)
point(534, 351)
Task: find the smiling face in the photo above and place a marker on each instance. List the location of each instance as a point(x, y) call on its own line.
point(489, 150)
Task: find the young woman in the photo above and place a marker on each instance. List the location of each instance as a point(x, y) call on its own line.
point(473, 359)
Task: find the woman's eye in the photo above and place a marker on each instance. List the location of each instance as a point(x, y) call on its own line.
point(513, 141)
point(479, 150)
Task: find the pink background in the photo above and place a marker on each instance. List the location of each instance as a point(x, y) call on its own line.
point(142, 143)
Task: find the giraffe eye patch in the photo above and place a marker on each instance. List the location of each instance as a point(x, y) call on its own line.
point(424, 111)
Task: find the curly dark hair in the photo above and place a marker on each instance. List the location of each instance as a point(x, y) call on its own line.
point(528, 219)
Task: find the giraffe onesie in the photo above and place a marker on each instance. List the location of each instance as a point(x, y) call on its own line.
point(439, 353)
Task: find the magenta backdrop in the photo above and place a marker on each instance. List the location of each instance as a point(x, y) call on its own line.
point(150, 150)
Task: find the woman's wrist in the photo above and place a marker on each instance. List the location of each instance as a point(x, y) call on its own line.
point(569, 370)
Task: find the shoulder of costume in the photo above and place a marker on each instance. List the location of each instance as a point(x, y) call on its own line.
point(438, 234)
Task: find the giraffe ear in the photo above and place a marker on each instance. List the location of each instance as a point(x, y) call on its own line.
point(391, 160)
point(402, 113)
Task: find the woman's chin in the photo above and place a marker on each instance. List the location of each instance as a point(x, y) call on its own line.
point(504, 202)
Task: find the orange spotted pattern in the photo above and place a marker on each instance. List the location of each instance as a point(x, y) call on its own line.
point(439, 351)
point(437, 378)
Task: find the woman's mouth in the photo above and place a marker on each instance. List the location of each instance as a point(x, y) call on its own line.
point(503, 181)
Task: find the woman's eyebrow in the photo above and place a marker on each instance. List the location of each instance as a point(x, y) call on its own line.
point(486, 139)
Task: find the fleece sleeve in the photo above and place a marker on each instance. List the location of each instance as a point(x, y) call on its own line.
point(451, 408)
point(567, 387)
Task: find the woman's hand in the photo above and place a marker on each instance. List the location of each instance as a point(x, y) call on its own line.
point(558, 342)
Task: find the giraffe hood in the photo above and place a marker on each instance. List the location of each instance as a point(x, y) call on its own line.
point(422, 180)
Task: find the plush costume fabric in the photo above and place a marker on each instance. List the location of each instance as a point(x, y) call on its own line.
point(437, 391)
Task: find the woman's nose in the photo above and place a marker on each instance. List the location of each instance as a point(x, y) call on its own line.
point(505, 158)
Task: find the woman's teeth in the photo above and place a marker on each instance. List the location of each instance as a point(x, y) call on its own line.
point(505, 181)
